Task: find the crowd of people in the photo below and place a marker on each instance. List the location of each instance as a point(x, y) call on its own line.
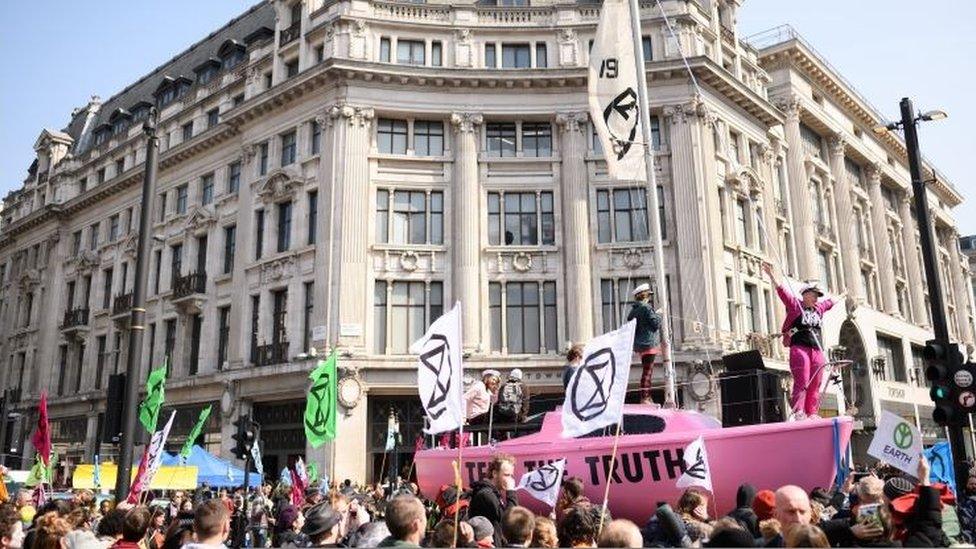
point(872, 509)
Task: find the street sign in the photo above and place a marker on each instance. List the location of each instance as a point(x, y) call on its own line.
point(963, 378)
point(967, 399)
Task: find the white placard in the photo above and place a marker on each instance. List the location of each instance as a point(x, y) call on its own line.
point(319, 333)
point(897, 442)
point(351, 330)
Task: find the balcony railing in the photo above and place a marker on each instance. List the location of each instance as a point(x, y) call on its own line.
point(193, 283)
point(290, 34)
point(728, 35)
point(272, 353)
point(74, 318)
point(122, 304)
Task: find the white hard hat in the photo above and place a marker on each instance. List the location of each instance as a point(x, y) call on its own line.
point(812, 286)
point(641, 289)
point(515, 374)
point(493, 373)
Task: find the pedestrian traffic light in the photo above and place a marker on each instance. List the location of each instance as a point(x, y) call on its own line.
point(951, 382)
point(245, 437)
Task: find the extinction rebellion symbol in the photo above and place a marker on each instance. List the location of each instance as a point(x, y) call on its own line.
point(599, 368)
point(622, 113)
point(438, 360)
point(547, 476)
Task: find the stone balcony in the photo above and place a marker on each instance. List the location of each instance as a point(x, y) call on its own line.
point(189, 292)
point(272, 353)
point(75, 322)
point(121, 307)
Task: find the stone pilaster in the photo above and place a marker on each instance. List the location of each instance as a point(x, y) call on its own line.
point(323, 312)
point(882, 247)
point(352, 179)
point(960, 297)
point(916, 288)
point(576, 228)
point(803, 229)
point(693, 255)
point(850, 257)
point(467, 234)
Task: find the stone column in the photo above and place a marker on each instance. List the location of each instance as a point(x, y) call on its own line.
point(576, 228)
point(850, 257)
point(959, 286)
point(803, 229)
point(465, 200)
point(353, 125)
point(322, 313)
point(691, 241)
point(916, 288)
point(879, 227)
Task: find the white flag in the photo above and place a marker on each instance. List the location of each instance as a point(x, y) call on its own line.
point(697, 472)
point(596, 391)
point(612, 87)
point(439, 372)
point(543, 483)
point(155, 450)
point(256, 456)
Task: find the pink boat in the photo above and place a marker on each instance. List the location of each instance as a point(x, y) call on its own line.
point(650, 458)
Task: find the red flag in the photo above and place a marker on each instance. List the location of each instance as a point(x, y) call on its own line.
point(137, 487)
point(42, 437)
point(297, 489)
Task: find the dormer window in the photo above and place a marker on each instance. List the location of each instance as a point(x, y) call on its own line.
point(102, 133)
point(140, 111)
point(120, 121)
point(231, 53)
point(207, 70)
point(171, 89)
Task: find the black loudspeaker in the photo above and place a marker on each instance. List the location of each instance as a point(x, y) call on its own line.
point(112, 426)
point(743, 362)
point(750, 398)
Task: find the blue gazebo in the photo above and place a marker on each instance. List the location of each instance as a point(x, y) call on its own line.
point(212, 470)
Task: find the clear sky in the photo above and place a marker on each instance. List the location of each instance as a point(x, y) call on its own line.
point(57, 53)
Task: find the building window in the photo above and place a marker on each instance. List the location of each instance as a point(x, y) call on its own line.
point(196, 327)
point(391, 136)
point(411, 308)
point(83, 185)
point(107, 276)
point(113, 228)
point(93, 236)
point(279, 317)
point(158, 259)
point(316, 138)
point(75, 243)
point(212, 116)
point(258, 233)
point(119, 166)
point(287, 148)
point(537, 139)
point(646, 48)
point(263, 158)
point(169, 345)
point(823, 263)
point(181, 196)
point(101, 175)
point(891, 349)
point(313, 216)
point(291, 68)
point(411, 52)
point(436, 53)
point(152, 342)
point(284, 226)
point(207, 189)
point(622, 215)
point(223, 335)
point(743, 229)
point(541, 55)
point(187, 131)
point(428, 138)
point(162, 206)
point(255, 325)
point(176, 262)
point(238, 100)
point(751, 308)
point(516, 56)
point(230, 247)
point(101, 342)
point(490, 60)
point(233, 177)
point(307, 316)
point(811, 141)
point(413, 219)
point(616, 296)
point(521, 218)
point(529, 317)
point(501, 139)
point(384, 50)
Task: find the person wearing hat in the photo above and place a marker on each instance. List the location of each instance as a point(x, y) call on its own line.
point(481, 396)
point(513, 399)
point(647, 336)
point(802, 334)
point(322, 526)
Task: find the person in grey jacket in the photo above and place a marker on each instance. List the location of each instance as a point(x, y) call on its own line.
point(647, 336)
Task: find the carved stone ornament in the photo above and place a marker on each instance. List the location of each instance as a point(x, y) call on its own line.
point(572, 121)
point(837, 144)
point(87, 261)
point(247, 153)
point(409, 261)
point(29, 279)
point(766, 153)
point(744, 180)
point(521, 262)
point(278, 269)
point(200, 218)
point(130, 245)
point(790, 105)
point(350, 389)
point(682, 112)
point(355, 116)
point(466, 122)
point(279, 185)
point(633, 259)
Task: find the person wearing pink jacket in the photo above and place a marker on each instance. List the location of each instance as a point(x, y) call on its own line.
point(802, 334)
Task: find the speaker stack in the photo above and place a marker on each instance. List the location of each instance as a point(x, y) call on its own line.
point(750, 393)
point(112, 426)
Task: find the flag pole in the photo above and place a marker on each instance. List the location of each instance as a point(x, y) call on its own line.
point(660, 287)
point(606, 490)
point(457, 465)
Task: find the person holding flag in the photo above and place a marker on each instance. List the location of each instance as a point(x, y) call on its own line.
point(647, 337)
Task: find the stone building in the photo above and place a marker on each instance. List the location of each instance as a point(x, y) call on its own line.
point(333, 174)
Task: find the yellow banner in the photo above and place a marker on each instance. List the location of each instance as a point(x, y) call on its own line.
point(168, 477)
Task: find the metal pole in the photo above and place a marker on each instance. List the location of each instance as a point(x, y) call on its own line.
point(4, 412)
point(930, 261)
point(247, 498)
point(138, 313)
point(660, 288)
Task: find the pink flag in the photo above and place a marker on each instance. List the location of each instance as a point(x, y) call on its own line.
point(152, 459)
point(136, 490)
point(297, 491)
point(42, 437)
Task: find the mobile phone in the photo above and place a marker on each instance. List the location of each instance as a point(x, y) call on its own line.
point(869, 514)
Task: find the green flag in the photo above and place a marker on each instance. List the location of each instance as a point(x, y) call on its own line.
point(155, 394)
point(312, 470)
point(320, 406)
point(195, 432)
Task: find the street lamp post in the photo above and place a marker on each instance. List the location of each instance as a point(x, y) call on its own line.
point(138, 314)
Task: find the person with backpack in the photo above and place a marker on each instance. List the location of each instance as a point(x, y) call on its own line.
point(647, 336)
point(513, 399)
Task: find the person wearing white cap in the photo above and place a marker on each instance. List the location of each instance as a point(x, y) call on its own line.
point(802, 334)
point(481, 396)
point(647, 336)
point(513, 399)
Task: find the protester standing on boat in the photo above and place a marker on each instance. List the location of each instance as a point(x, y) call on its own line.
point(802, 334)
point(513, 399)
point(647, 336)
point(481, 396)
point(574, 356)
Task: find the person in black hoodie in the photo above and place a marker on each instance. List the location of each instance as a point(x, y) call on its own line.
point(492, 497)
point(924, 525)
point(743, 512)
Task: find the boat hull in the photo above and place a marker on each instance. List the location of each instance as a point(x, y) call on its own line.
point(647, 466)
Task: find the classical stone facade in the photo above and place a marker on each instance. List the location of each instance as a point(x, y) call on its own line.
point(334, 174)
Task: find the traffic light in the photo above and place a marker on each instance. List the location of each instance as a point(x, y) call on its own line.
point(245, 437)
point(951, 381)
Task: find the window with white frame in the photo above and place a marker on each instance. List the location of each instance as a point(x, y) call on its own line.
point(391, 136)
point(751, 308)
point(516, 56)
point(823, 265)
point(402, 311)
point(409, 216)
point(521, 218)
point(523, 317)
point(501, 139)
point(411, 52)
point(616, 296)
point(537, 139)
point(622, 214)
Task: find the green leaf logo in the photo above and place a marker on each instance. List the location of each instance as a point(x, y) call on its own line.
point(902, 435)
